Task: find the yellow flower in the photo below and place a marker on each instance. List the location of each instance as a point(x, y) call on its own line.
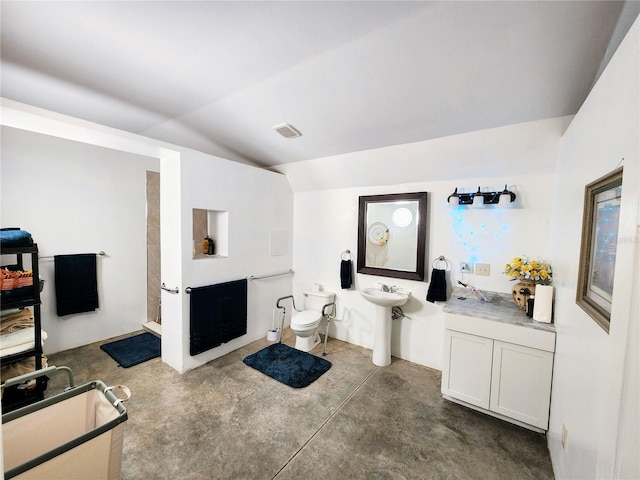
point(523, 268)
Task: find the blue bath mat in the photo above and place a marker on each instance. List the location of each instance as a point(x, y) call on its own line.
point(133, 350)
point(288, 365)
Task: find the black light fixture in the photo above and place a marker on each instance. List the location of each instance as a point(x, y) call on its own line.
point(478, 199)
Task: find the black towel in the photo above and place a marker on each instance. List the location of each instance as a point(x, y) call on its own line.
point(438, 287)
point(76, 283)
point(345, 274)
point(218, 314)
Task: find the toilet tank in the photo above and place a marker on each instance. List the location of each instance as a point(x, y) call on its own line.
point(317, 300)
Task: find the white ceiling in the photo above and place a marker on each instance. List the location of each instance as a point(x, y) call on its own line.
point(351, 76)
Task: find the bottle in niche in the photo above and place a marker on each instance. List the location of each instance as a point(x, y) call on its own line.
point(530, 301)
point(205, 245)
point(211, 248)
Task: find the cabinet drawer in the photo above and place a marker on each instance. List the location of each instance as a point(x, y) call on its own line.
point(529, 337)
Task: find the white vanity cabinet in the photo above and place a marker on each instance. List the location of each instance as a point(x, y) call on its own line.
point(499, 368)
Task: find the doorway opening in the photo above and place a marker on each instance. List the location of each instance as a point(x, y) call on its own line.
point(154, 306)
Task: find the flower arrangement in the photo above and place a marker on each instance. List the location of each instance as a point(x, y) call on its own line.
point(521, 268)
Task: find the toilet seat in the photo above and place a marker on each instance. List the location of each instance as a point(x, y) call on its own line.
point(305, 318)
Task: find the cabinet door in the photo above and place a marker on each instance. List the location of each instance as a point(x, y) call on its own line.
point(467, 367)
point(521, 383)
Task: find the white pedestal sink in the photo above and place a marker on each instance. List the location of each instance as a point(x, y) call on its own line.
point(383, 302)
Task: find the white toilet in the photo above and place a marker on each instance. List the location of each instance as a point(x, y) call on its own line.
point(305, 324)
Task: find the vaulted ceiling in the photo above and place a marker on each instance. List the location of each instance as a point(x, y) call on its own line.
point(351, 76)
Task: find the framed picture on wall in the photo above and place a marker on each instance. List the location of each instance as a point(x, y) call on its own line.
point(600, 222)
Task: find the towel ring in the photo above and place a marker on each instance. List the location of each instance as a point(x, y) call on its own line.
point(441, 259)
point(347, 253)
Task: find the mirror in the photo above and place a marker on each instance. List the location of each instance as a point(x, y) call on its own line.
point(392, 232)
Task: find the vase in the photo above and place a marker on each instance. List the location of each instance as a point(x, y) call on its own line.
point(521, 292)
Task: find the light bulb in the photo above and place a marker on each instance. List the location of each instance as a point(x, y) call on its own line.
point(505, 200)
point(478, 200)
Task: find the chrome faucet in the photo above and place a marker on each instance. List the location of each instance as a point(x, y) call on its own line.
point(387, 288)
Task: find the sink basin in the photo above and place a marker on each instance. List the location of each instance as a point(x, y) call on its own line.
point(384, 299)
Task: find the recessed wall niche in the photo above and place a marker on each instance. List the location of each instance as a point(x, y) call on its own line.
point(215, 225)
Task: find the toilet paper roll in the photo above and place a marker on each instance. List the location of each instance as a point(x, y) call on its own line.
point(543, 304)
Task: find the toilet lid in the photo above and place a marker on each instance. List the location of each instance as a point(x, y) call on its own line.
point(306, 317)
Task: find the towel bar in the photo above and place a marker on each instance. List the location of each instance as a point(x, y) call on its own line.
point(100, 254)
point(170, 290)
point(252, 277)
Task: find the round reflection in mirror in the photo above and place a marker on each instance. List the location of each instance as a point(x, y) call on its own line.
point(402, 217)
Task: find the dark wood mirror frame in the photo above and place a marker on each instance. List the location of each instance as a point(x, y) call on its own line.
point(364, 203)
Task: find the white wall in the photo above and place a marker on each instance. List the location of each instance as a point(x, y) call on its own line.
point(595, 386)
point(257, 202)
point(79, 198)
point(326, 218)
point(520, 149)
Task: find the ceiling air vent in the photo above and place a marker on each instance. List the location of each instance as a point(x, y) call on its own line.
point(287, 131)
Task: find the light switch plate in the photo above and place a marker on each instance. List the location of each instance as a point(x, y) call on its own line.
point(483, 269)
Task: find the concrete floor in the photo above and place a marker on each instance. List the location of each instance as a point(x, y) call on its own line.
point(225, 420)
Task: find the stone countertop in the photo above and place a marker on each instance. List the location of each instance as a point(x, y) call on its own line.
point(499, 308)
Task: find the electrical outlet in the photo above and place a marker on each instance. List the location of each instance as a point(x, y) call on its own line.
point(565, 436)
point(483, 269)
point(466, 267)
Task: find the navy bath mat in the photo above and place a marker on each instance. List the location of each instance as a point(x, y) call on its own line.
point(288, 365)
point(133, 350)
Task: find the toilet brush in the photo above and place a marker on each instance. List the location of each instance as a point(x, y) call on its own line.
point(273, 335)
